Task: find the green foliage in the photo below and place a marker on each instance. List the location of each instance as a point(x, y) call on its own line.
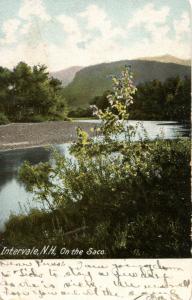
point(80, 113)
point(163, 101)
point(155, 100)
point(29, 94)
point(131, 199)
point(3, 119)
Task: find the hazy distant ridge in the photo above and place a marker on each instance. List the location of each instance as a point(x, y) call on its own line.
point(66, 75)
point(168, 59)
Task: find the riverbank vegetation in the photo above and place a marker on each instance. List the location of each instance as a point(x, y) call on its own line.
point(130, 198)
point(155, 100)
point(29, 94)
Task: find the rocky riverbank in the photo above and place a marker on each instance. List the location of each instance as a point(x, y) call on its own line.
point(26, 135)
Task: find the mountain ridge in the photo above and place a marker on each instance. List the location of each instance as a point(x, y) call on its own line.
point(67, 75)
point(92, 81)
point(167, 58)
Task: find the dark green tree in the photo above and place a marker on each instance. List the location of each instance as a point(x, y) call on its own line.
point(29, 94)
point(156, 100)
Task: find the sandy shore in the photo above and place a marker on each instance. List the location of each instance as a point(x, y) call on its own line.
point(25, 135)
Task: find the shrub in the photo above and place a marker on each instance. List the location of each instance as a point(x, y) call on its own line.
point(3, 119)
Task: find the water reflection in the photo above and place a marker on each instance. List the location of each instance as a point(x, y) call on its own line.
point(12, 192)
point(10, 161)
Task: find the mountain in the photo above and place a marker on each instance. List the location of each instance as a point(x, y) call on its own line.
point(94, 80)
point(66, 75)
point(168, 59)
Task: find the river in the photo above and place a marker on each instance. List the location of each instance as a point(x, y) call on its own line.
point(13, 196)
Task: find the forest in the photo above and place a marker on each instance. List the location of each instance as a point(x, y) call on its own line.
point(154, 100)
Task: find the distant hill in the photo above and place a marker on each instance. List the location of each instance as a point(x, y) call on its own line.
point(66, 75)
point(168, 59)
point(94, 80)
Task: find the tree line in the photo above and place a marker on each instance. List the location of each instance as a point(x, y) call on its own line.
point(154, 100)
point(30, 94)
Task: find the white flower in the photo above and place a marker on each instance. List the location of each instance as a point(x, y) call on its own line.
point(94, 109)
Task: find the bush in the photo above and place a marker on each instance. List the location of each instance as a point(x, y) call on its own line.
point(80, 113)
point(129, 210)
point(3, 119)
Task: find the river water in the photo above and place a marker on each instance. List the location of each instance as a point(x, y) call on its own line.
point(13, 196)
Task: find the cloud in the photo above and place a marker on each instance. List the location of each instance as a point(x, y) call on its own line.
point(160, 41)
point(148, 16)
point(9, 30)
point(25, 28)
point(15, 28)
point(33, 8)
point(98, 51)
point(90, 43)
point(71, 28)
point(91, 36)
point(70, 25)
point(97, 18)
point(10, 56)
point(182, 25)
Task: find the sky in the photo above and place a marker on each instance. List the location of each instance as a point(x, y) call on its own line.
point(65, 33)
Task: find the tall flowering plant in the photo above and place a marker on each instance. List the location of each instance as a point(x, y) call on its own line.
point(113, 118)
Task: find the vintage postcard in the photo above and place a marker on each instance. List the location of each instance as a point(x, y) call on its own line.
point(95, 119)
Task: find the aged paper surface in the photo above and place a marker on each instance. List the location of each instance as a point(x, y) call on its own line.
point(132, 279)
point(62, 38)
